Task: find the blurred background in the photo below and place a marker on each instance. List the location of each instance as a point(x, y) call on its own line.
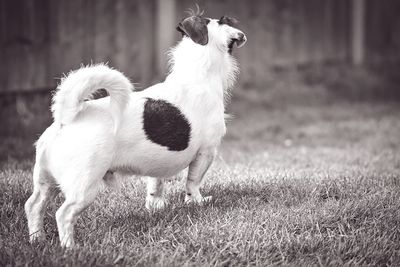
point(299, 52)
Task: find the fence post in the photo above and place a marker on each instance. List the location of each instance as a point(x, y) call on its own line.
point(165, 28)
point(358, 32)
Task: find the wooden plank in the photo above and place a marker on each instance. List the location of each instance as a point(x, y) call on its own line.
point(88, 39)
point(54, 60)
point(166, 23)
point(17, 44)
point(275, 31)
point(104, 33)
point(147, 42)
point(66, 35)
point(382, 30)
point(338, 29)
point(259, 46)
point(300, 33)
point(3, 66)
point(358, 32)
point(27, 76)
point(24, 34)
point(41, 46)
point(316, 37)
point(285, 32)
point(346, 47)
point(373, 36)
point(71, 33)
point(329, 41)
point(134, 40)
point(309, 22)
point(126, 41)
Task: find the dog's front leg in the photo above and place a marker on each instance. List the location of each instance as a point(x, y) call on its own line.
point(155, 193)
point(197, 170)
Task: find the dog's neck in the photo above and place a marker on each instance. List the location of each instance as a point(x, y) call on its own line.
point(191, 63)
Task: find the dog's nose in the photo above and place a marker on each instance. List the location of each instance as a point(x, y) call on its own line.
point(241, 39)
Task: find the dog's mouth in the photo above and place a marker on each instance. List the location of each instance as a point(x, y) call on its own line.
point(230, 45)
point(238, 41)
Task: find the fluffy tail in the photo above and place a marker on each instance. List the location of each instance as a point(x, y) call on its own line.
point(80, 84)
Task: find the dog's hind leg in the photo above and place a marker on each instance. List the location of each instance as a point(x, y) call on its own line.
point(197, 170)
point(155, 193)
point(78, 196)
point(35, 205)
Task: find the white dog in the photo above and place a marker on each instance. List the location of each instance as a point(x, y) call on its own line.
point(156, 132)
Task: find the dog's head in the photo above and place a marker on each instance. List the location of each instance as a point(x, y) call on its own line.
point(221, 33)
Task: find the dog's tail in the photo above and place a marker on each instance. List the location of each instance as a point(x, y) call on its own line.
point(79, 85)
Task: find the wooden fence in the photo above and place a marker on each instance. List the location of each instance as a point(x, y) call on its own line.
point(42, 39)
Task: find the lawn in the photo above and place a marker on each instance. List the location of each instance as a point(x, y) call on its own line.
point(304, 177)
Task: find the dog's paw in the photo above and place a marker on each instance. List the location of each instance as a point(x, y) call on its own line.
point(67, 242)
point(197, 200)
point(36, 237)
point(155, 203)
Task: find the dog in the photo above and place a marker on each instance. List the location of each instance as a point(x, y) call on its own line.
point(155, 133)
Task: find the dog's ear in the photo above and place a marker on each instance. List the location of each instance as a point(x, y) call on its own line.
point(196, 28)
point(228, 21)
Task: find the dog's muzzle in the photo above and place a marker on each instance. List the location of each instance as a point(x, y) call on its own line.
point(240, 40)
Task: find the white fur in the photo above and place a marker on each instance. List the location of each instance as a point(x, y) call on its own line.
point(81, 84)
point(89, 140)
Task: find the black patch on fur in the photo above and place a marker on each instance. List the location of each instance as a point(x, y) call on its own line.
point(164, 124)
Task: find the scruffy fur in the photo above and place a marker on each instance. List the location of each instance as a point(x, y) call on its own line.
point(91, 140)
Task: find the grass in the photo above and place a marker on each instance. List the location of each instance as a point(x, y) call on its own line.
point(310, 182)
